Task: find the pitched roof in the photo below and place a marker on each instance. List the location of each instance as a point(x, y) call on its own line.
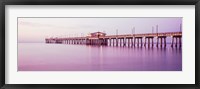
point(97, 32)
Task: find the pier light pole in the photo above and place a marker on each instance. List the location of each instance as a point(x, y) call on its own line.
point(180, 27)
point(134, 37)
point(157, 29)
point(116, 37)
point(133, 30)
point(152, 29)
point(81, 34)
point(157, 35)
point(116, 31)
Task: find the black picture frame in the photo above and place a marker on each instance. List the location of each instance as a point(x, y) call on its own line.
point(99, 2)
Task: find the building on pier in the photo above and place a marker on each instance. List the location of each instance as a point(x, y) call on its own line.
point(96, 34)
point(95, 38)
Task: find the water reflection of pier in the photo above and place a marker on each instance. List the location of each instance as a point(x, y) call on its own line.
point(99, 38)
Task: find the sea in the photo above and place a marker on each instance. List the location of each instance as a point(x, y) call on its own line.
point(76, 57)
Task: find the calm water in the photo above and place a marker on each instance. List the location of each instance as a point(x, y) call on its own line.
point(64, 57)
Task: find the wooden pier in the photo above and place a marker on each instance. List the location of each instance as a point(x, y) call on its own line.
point(130, 40)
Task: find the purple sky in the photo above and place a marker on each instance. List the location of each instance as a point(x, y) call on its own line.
point(37, 29)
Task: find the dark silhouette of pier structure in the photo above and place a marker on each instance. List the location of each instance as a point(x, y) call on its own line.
point(130, 40)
